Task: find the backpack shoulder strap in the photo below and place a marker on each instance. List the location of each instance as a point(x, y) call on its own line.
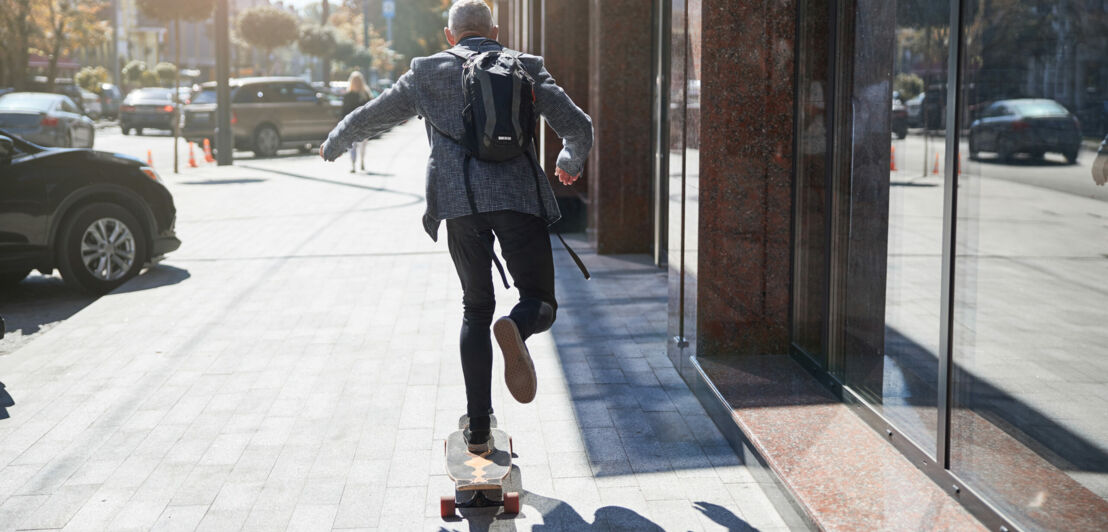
point(461, 52)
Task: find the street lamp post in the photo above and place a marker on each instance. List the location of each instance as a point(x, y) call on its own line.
point(223, 137)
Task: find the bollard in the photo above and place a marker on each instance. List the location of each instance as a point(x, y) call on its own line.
point(892, 158)
point(935, 171)
point(149, 159)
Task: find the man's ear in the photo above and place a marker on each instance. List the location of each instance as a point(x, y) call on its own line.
point(449, 36)
point(494, 33)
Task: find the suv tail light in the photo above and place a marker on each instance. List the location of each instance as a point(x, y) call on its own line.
point(49, 121)
point(168, 108)
point(234, 118)
point(1020, 125)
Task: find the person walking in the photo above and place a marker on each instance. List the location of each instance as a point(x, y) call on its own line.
point(481, 201)
point(357, 95)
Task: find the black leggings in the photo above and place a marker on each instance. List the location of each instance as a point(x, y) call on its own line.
point(525, 245)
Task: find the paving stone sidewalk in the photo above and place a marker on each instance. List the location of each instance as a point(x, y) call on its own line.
point(294, 366)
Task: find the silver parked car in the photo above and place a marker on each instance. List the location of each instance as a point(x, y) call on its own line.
point(46, 119)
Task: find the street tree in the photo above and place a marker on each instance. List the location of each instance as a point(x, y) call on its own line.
point(318, 41)
point(16, 29)
point(267, 27)
point(175, 11)
point(91, 78)
point(132, 71)
point(167, 72)
point(66, 25)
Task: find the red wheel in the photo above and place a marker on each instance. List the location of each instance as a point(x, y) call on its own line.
point(511, 503)
point(446, 506)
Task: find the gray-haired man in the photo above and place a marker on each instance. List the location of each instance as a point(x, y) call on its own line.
point(510, 200)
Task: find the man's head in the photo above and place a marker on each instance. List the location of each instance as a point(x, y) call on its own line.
point(470, 18)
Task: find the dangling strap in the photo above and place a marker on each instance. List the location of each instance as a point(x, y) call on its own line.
point(542, 209)
point(495, 260)
point(576, 259)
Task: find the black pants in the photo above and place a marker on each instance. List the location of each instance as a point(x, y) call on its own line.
point(525, 245)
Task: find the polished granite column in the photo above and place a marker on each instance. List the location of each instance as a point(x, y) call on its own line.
point(746, 159)
point(619, 102)
point(565, 48)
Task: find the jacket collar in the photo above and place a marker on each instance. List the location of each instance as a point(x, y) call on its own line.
point(478, 44)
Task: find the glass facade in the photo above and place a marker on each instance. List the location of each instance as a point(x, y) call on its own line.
point(951, 243)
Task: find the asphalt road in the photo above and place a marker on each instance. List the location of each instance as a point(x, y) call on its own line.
point(915, 160)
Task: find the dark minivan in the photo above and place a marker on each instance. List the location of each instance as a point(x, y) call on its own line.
point(266, 114)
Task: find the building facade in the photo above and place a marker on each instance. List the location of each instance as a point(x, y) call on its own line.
point(880, 206)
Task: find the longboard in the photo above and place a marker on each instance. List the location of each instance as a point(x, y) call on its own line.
point(478, 472)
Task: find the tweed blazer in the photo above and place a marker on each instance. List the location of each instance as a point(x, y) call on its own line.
point(432, 90)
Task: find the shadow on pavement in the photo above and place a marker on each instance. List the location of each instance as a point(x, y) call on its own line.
point(41, 301)
point(5, 401)
point(154, 277)
point(559, 515)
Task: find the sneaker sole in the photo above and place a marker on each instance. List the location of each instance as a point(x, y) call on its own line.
point(519, 370)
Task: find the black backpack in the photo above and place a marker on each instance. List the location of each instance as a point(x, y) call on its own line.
point(499, 116)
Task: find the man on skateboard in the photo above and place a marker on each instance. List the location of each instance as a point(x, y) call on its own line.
point(481, 200)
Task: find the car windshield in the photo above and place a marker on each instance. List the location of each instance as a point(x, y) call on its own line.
point(28, 100)
point(204, 96)
point(151, 94)
point(1040, 108)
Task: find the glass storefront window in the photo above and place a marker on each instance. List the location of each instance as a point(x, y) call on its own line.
point(894, 261)
point(1029, 426)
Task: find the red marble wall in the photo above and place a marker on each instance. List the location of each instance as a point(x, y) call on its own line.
point(620, 219)
point(746, 176)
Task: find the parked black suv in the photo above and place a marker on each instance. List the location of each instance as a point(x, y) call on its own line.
point(97, 217)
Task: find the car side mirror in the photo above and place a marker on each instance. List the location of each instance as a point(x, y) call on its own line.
point(7, 150)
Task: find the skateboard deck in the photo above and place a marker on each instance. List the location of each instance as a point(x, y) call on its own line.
point(485, 471)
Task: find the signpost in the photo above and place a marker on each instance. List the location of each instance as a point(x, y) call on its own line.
point(388, 10)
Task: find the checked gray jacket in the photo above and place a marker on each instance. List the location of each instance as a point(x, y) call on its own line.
point(432, 89)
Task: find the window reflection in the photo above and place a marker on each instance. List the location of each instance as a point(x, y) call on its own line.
point(1030, 425)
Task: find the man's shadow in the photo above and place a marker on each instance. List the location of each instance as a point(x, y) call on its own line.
point(5, 401)
point(559, 515)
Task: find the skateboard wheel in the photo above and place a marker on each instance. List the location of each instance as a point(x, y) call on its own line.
point(511, 447)
point(446, 506)
point(511, 502)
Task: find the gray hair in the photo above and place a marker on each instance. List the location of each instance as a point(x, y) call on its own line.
point(470, 16)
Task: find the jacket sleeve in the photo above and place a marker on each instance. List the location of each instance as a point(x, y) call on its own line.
point(381, 113)
point(567, 120)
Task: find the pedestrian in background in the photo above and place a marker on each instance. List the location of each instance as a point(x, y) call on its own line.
point(1100, 165)
point(482, 200)
point(357, 95)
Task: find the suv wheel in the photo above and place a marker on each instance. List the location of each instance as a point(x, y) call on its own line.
point(102, 246)
point(266, 141)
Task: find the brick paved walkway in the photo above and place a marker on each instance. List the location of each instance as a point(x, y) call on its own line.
point(294, 366)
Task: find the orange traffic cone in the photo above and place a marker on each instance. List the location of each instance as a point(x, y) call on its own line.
point(935, 171)
point(192, 156)
point(959, 164)
point(149, 159)
point(208, 152)
point(892, 158)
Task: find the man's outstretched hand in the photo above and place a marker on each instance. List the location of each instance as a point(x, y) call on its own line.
point(564, 176)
